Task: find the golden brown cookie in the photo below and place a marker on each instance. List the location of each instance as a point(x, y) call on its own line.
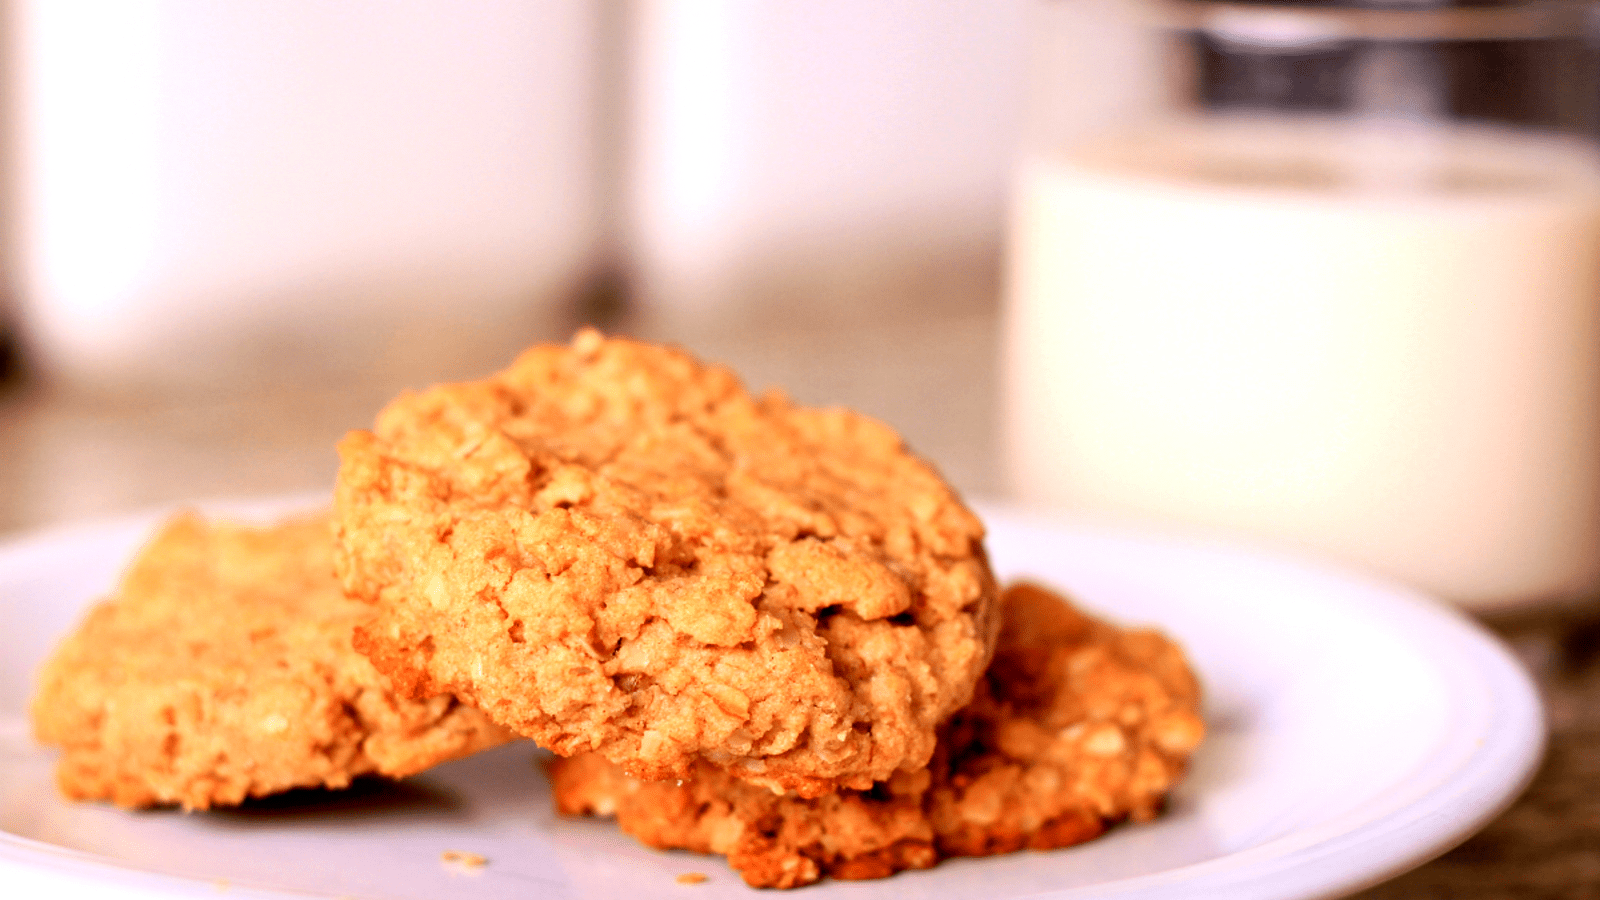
point(222, 669)
point(611, 547)
point(1077, 725)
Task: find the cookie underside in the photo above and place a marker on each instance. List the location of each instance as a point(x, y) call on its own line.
point(1077, 725)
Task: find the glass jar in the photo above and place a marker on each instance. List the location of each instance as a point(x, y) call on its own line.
point(1327, 277)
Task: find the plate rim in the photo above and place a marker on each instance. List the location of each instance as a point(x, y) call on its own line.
point(1497, 771)
point(1328, 861)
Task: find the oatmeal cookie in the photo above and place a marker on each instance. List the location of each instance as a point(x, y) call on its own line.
point(611, 547)
point(222, 669)
point(1077, 725)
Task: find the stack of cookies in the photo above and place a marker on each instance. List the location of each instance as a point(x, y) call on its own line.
point(743, 626)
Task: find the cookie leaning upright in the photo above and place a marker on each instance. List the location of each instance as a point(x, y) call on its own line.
point(222, 669)
point(612, 547)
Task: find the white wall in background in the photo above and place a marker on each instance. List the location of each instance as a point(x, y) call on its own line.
point(781, 133)
point(190, 175)
point(1095, 65)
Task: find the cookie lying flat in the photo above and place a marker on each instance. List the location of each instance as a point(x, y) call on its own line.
point(1077, 725)
point(222, 669)
point(611, 547)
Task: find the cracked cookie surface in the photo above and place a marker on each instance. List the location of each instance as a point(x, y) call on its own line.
point(222, 669)
point(1076, 725)
point(612, 547)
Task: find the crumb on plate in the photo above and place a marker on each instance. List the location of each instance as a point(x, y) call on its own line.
point(460, 859)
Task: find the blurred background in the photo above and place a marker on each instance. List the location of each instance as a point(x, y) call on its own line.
point(235, 230)
point(1319, 276)
point(1323, 277)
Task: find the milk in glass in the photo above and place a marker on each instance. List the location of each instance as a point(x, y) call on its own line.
point(1375, 341)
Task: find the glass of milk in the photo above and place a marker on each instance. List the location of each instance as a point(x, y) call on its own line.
point(1328, 280)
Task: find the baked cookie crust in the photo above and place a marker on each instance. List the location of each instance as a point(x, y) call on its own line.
point(1076, 726)
point(222, 669)
point(611, 547)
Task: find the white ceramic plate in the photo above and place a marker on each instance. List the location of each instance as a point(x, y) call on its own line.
point(1356, 730)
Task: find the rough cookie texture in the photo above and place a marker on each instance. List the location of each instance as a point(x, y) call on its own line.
point(222, 669)
point(1077, 725)
point(610, 547)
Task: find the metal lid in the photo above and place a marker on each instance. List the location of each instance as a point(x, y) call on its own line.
point(1273, 23)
